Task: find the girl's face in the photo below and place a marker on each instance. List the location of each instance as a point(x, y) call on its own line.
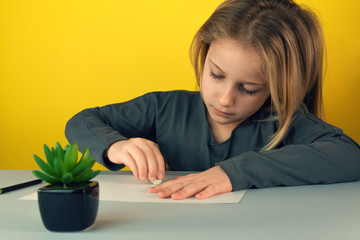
point(232, 87)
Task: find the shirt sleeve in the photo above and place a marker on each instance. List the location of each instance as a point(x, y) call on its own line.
point(99, 127)
point(313, 152)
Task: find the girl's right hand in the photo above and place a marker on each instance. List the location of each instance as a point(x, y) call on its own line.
point(142, 156)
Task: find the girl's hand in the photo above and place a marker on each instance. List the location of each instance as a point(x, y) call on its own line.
point(142, 156)
point(203, 185)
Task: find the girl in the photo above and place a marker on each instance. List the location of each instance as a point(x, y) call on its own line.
point(255, 122)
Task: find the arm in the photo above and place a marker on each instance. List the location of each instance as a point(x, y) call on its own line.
point(313, 152)
point(100, 127)
point(328, 160)
point(88, 128)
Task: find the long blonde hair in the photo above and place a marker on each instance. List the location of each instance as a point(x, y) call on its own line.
point(288, 39)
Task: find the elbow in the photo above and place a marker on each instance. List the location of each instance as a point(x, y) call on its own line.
point(71, 128)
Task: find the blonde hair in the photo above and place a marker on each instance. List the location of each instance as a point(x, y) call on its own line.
point(290, 43)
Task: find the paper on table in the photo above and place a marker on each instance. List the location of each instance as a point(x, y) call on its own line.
point(125, 188)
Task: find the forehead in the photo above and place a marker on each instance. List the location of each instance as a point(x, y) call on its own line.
point(235, 58)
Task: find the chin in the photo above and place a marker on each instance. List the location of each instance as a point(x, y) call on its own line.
point(227, 121)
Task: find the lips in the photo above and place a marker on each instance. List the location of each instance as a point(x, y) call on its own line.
point(221, 113)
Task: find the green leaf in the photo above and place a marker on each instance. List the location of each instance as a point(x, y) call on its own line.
point(70, 158)
point(86, 177)
point(85, 154)
point(53, 151)
point(90, 166)
point(59, 167)
point(66, 147)
point(49, 155)
point(82, 166)
point(62, 165)
point(45, 177)
point(45, 167)
point(67, 178)
point(59, 151)
point(84, 172)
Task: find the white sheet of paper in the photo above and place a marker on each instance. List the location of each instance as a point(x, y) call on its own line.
point(125, 188)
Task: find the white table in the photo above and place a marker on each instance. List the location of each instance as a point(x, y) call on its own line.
point(289, 213)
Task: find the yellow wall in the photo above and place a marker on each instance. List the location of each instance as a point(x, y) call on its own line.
point(58, 57)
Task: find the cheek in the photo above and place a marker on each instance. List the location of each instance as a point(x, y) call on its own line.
point(252, 105)
point(205, 88)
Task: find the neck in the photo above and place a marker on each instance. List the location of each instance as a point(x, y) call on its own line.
point(220, 132)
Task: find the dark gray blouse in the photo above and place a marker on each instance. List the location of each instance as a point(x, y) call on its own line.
point(312, 152)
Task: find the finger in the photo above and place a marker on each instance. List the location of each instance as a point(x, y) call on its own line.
point(140, 160)
point(180, 179)
point(208, 192)
point(129, 161)
point(152, 163)
point(155, 189)
point(160, 163)
point(147, 147)
point(165, 190)
point(188, 191)
point(154, 158)
point(158, 188)
point(181, 190)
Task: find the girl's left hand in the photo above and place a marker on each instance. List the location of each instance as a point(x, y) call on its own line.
point(203, 185)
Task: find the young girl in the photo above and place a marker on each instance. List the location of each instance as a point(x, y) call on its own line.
point(255, 122)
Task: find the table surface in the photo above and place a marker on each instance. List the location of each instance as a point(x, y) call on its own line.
point(302, 212)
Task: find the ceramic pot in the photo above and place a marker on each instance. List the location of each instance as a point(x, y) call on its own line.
point(69, 209)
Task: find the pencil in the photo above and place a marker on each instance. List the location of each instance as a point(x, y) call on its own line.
point(19, 186)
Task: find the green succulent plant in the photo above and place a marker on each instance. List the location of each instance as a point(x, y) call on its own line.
point(63, 167)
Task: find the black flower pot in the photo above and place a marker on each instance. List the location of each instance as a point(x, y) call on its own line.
point(69, 209)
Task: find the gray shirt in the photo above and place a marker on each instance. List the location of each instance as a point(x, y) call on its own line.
point(312, 152)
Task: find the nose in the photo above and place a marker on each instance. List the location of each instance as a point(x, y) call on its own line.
point(227, 96)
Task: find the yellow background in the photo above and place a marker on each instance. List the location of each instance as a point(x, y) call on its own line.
point(58, 57)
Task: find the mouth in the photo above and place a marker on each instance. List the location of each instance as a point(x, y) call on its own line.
point(221, 113)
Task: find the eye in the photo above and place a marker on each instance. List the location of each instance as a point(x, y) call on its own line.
point(244, 90)
point(214, 76)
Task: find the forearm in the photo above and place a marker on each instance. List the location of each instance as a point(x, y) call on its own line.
point(327, 161)
point(87, 128)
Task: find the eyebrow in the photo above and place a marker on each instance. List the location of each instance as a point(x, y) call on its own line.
point(216, 66)
point(249, 83)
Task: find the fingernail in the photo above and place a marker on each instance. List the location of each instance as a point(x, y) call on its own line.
point(161, 176)
point(143, 177)
point(156, 182)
